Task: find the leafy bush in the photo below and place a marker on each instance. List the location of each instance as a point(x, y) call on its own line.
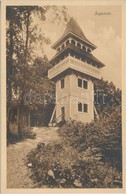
point(105, 133)
point(88, 155)
point(52, 157)
point(56, 165)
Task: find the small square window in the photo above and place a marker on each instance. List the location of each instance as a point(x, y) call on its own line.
point(62, 83)
point(85, 107)
point(79, 106)
point(79, 82)
point(85, 84)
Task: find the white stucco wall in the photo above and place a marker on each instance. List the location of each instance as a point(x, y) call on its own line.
point(69, 97)
point(84, 96)
point(62, 97)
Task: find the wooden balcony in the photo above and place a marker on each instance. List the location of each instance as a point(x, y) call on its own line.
point(75, 64)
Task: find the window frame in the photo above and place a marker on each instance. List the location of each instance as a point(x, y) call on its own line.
point(81, 82)
point(85, 107)
point(82, 87)
point(84, 80)
point(78, 45)
point(62, 81)
point(73, 42)
point(80, 103)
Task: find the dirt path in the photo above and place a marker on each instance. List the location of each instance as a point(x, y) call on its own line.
point(17, 171)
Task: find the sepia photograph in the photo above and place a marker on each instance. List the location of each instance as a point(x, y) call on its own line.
point(64, 96)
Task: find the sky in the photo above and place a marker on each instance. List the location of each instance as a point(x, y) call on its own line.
point(104, 31)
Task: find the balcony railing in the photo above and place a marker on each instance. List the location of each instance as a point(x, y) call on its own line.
point(75, 64)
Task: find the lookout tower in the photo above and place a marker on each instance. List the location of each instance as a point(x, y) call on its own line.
point(74, 71)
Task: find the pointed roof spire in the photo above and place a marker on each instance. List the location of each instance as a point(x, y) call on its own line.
point(74, 27)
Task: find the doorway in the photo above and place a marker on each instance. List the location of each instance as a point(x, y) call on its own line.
point(63, 113)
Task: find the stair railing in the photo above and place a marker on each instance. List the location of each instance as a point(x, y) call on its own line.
point(55, 120)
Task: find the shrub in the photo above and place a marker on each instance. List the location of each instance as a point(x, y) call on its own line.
point(56, 158)
point(56, 165)
point(88, 155)
point(105, 133)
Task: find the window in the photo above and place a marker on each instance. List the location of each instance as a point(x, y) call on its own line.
point(82, 107)
point(79, 45)
point(62, 83)
point(58, 49)
point(67, 42)
point(63, 113)
point(79, 106)
point(85, 84)
point(73, 42)
point(82, 83)
point(85, 107)
point(79, 82)
point(89, 50)
point(83, 47)
point(62, 46)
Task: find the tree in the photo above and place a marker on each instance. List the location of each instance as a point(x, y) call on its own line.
point(22, 36)
point(107, 97)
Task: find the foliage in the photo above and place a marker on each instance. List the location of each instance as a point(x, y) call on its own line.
point(105, 133)
point(87, 155)
point(107, 97)
point(60, 166)
point(26, 71)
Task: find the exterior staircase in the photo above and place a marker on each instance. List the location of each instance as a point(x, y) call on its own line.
point(55, 121)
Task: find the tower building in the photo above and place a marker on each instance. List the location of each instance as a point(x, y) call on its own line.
point(74, 71)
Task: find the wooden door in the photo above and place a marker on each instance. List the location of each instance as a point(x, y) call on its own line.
point(62, 113)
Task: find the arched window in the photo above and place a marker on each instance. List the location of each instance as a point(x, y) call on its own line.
point(67, 42)
point(63, 46)
point(58, 49)
point(79, 45)
point(88, 50)
point(73, 42)
point(84, 48)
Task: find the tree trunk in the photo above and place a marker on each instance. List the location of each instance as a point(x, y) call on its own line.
point(8, 122)
point(21, 112)
point(9, 77)
point(27, 35)
point(20, 123)
point(29, 120)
